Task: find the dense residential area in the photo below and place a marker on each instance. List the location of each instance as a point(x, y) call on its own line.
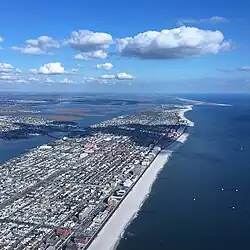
point(59, 195)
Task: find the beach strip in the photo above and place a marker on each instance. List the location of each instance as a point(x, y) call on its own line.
point(112, 230)
point(111, 233)
point(109, 236)
point(182, 113)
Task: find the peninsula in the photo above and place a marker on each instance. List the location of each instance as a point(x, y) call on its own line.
point(67, 194)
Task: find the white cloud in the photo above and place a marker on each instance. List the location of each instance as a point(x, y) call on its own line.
point(66, 81)
point(124, 76)
point(33, 71)
point(4, 76)
point(107, 76)
point(8, 72)
point(6, 67)
point(50, 69)
point(39, 46)
point(98, 54)
point(33, 79)
point(105, 66)
point(89, 79)
point(48, 80)
point(1, 40)
point(29, 50)
point(213, 20)
point(18, 70)
point(172, 44)
point(86, 41)
point(119, 76)
point(74, 70)
point(103, 81)
point(21, 81)
point(8, 76)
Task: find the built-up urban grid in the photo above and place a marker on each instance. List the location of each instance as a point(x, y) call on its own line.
point(58, 196)
point(19, 127)
point(10, 123)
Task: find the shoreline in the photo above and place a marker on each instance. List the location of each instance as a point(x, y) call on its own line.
point(204, 103)
point(130, 206)
point(182, 115)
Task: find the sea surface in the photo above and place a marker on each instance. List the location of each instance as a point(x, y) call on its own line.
point(201, 199)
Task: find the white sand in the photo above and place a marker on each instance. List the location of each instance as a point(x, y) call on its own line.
point(183, 138)
point(109, 236)
point(183, 111)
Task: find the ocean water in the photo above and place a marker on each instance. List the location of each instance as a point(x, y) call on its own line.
point(194, 204)
point(201, 199)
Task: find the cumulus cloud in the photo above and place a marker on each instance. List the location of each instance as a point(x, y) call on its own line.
point(119, 76)
point(29, 50)
point(86, 41)
point(8, 77)
point(33, 79)
point(75, 70)
point(8, 72)
point(98, 79)
point(40, 46)
point(89, 79)
point(98, 54)
point(55, 68)
point(212, 20)
point(124, 76)
point(176, 43)
point(21, 81)
point(1, 40)
point(105, 66)
point(66, 81)
point(107, 76)
point(6, 67)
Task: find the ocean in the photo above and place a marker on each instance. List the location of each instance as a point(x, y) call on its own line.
point(200, 200)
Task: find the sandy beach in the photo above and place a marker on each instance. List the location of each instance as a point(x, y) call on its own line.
point(108, 238)
point(183, 111)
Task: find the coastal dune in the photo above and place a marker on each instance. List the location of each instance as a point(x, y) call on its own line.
point(109, 236)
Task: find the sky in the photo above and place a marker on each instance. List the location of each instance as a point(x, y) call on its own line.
point(125, 46)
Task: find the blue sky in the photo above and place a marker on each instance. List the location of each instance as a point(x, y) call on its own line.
point(184, 46)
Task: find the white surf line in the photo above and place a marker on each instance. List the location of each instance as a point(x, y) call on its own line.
point(112, 230)
point(109, 236)
point(197, 102)
point(182, 115)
